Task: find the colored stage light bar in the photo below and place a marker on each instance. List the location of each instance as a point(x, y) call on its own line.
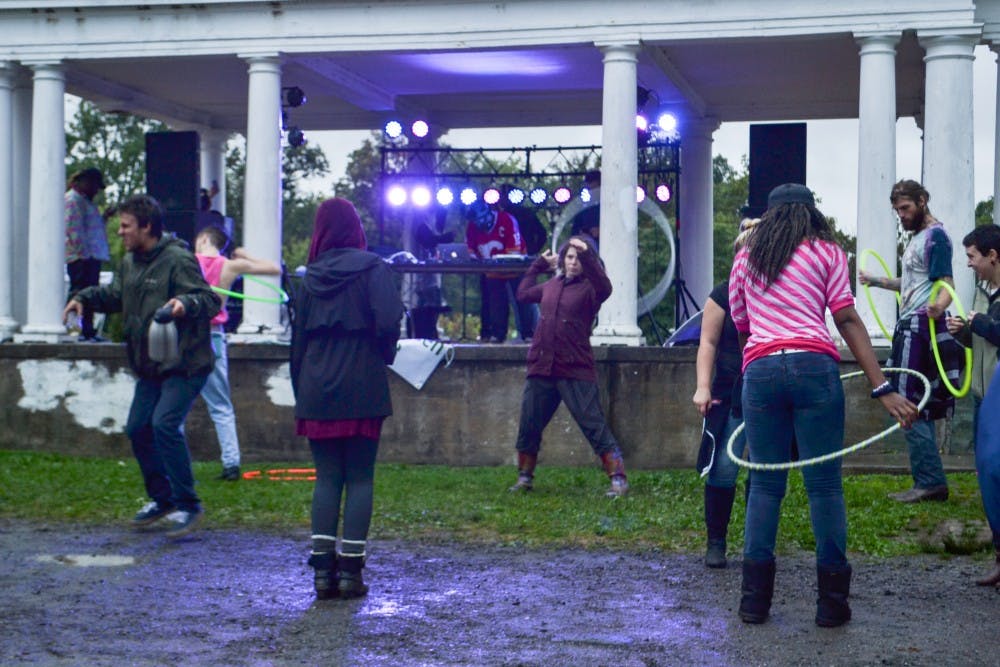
point(562, 194)
point(515, 196)
point(393, 129)
point(538, 196)
point(640, 194)
point(663, 192)
point(585, 195)
point(491, 196)
point(419, 129)
point(420, 196)
point(396, 195)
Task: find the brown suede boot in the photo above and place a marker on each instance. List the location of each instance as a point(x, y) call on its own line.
point(525, 472)
point(615, 467)
point(993, 578)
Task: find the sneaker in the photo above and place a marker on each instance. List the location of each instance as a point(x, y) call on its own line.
point(230, 474)
point(917, 495)
point(182, 522)
point(150, 513)
point(524, 483)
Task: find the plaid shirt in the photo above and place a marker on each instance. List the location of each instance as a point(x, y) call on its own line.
point(85, 234)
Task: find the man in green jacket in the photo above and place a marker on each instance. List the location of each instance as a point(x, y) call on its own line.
point(159, 271)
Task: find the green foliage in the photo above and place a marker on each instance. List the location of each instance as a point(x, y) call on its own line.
point(568, 507)
point(115, 143)
point(984, 212)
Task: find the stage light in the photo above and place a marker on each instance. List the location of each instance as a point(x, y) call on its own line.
point(491, 196)
point(445, 196)
point(562, 194)
point(467, 196)
point(640, 194)
point(663, 192)
point(641, 123)
point(585, 195)
point(420, 196)
point(515, 196)
point(419, 129)
point(667, 122)
point(393, 129)
point(396, 195)
point(292, 96)
point(296, 137)
point(538, 196)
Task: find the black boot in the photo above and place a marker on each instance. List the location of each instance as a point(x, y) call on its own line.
point(758, 587)
point(525, 472)
point(718, 508)
point(834, 586)
point(325, 578)
point(352, 584)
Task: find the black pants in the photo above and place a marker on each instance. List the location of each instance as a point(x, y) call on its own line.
point(539, 403)
point(84, 273)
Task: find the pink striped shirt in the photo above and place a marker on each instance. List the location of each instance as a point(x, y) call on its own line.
point(791, 312)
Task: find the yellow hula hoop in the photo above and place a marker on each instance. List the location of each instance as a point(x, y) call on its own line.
point(868, 293)
point(957, 393)
point(840, 452)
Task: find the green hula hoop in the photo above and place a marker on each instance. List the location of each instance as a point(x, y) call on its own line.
point(281, 298)
point(868, 293)
point(957, 393)
point(840, 452)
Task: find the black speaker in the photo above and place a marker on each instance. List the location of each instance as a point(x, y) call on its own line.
point(173, 168)
point(183, 224)
point(777, 155)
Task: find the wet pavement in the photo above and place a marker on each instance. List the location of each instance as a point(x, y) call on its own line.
point(110, 596)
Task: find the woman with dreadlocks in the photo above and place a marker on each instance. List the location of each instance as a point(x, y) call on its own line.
point(782, 282)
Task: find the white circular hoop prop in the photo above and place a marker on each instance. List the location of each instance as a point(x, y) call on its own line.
point(653, 297)
point(840, 452)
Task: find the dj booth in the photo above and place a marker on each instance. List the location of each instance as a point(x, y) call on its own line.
point(508, 267)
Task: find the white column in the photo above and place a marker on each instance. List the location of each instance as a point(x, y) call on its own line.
point(996, 147)
point(696, 218)
point(7, 322)
point(213, 164)
point(619, 213)
point(46, 234)
point(876, 226)
point(948, 144)
point(20, 183)
point(262, 190)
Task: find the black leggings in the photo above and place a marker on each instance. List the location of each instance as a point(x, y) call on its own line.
point(340, 463)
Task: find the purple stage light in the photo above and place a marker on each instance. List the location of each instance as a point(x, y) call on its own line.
point(667, 122)
point(640, 194)
point(663, 192)
point(419, 129)
point(515, 196)
point(491, 196)
point(641, 123)
point(468, 196)
point(445, 196)
point(538, 196)
point(420, 196)
point(393, 129)
point(562, 194)
point(396, 195)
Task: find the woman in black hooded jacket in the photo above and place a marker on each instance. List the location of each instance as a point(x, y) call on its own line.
point(347, 316)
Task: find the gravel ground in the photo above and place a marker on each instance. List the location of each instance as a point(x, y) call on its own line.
point(110, 596)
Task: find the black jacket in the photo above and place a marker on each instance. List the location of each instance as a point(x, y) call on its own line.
point(347, 318)
point(146, 281)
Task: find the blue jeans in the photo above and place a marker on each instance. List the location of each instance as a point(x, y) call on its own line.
point(796, 396)
point(156, 428)
point(220, 405)
point(925, 460)
point(988, 457)
point(724, 471)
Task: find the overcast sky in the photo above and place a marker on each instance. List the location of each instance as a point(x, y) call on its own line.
point(831, 156)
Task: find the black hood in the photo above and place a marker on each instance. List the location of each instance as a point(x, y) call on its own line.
point(335, 269)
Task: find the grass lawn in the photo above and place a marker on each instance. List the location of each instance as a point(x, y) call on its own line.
point(429, 502)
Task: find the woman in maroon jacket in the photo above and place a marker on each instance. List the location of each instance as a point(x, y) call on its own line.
point(560, 361)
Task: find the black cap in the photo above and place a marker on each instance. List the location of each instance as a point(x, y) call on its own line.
point(89, 174)
point(790, 193)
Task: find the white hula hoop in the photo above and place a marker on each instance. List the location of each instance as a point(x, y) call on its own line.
point(840, 452)
point(653, 297)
